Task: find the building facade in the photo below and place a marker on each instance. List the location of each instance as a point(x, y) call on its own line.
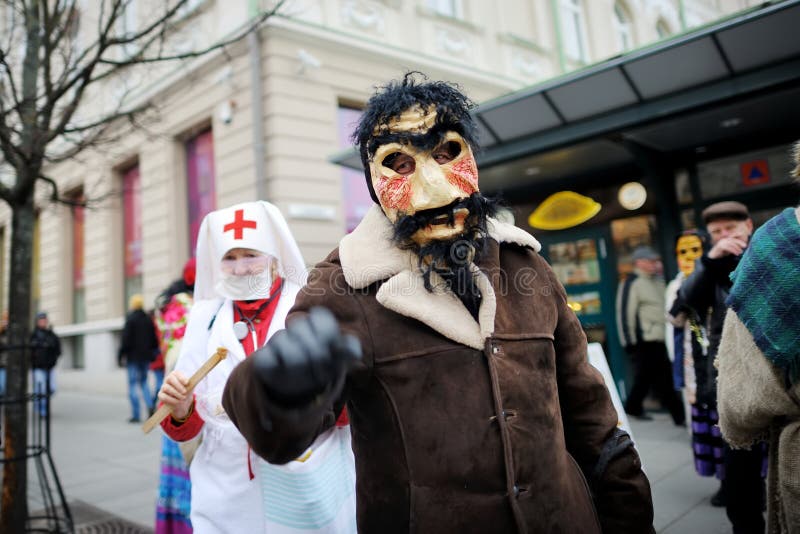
point(260, 119)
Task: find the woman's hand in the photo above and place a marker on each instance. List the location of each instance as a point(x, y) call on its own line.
point(175, 394)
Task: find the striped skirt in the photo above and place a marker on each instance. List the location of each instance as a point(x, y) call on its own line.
point(174, 492)
point(708, 446)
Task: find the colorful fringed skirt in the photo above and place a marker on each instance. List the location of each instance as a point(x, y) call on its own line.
point(174, 491)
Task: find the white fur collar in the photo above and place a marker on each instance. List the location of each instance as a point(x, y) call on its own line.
point(368, 255)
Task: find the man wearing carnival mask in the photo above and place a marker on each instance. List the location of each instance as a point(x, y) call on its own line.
point(472, 403)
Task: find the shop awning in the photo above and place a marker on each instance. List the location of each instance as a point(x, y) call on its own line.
point(736, 79)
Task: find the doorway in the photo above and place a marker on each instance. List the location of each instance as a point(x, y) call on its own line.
point(585, 263)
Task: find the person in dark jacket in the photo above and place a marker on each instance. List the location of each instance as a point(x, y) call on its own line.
point(472, 402)
point(704, 292)
point(45, 350)
point(138, 348)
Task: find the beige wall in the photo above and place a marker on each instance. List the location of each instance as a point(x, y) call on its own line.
point(355, 44)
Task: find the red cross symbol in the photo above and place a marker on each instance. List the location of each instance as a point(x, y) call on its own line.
point(238, 225)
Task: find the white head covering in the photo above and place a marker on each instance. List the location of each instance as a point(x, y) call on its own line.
point(255, 225)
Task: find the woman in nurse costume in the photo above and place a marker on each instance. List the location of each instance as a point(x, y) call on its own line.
point(249, 270)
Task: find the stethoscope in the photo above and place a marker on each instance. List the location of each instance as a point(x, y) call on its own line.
point(246, 324)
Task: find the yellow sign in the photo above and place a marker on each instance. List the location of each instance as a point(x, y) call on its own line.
point(564, 209)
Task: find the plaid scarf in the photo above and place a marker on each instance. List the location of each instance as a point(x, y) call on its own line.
point(766, 292)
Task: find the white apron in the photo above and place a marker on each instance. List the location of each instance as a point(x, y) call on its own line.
point(317, 495)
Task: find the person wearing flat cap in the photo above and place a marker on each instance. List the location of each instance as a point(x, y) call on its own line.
point(705, 292)
point(642, 330)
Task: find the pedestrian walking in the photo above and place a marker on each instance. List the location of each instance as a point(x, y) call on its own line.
point(138, 348)
point(45, 351)
point(642, 328)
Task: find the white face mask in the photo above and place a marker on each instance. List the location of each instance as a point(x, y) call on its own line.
point(246, 287)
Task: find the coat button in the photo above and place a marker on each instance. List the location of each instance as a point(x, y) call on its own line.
point(504, 415)
point(495, 349)
point(515, 489)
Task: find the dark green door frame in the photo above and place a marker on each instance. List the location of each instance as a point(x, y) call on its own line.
point(606, 287)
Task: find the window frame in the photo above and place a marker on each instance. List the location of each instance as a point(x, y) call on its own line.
point(573, 27)
point(623, 28)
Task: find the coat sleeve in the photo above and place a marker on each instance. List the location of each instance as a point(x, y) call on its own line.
point(56, 345)
point(697, 291)
point(621, 490)
point(750, 392)
point(276, 433)
point(124, 345)
point(627, 307)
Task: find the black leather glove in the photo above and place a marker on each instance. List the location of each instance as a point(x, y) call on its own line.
point(306, 359)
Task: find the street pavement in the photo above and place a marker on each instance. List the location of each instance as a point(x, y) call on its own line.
point(109, 468)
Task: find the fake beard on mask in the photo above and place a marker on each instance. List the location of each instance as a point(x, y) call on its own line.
point(245, 287)
point(450, 258)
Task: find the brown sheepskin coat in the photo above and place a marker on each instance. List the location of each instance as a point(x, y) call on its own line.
point(460, 425)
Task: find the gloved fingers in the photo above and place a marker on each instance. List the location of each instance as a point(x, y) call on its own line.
point(324, 325)
point(267, 360)
point(347, 349)
point(313, 349)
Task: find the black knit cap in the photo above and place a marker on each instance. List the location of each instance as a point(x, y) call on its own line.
point(391, 100)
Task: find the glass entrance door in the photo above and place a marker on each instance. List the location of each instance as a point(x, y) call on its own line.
point(583, 262)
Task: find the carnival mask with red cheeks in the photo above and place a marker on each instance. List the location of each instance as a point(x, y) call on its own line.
point(408, 178)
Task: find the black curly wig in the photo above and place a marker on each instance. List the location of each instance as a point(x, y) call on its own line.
point(391, 100)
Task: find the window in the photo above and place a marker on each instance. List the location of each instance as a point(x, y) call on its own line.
point(447, 8)
point(78, 284)
point(573, 30)
point(355, 194)
point(662, 29)
point(744, 172)
point(622, 28)
point(132, 231)
point(200, 182)
point(78, 247)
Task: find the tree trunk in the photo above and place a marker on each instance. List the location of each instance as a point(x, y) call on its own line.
point(14, 505)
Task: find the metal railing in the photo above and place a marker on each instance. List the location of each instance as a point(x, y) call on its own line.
point(47, 505)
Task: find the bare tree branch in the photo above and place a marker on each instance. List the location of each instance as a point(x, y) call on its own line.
point(196, 53)
point(10, 78)
point(54, 197)
point(85, 201)
point(30, 75)
point(83, 74)
point(43, 92)
point(10, 150)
